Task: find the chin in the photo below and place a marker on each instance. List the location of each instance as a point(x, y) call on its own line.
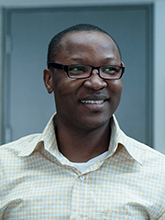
point(94, 123)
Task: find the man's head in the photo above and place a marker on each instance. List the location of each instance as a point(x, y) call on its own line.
point(88, 103)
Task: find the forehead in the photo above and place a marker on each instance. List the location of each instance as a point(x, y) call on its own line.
point(91, 42)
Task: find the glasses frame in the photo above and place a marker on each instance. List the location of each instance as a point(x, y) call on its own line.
point(66, 69)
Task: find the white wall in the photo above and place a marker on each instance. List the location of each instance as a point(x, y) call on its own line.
point(159, 48)
point(159, 76)
point(1, 69)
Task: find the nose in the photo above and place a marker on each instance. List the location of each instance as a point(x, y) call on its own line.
point(95, 82)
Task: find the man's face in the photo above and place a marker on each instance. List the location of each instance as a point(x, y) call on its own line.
point(86, 104)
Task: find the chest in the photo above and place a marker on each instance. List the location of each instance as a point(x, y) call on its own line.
point(65, 194)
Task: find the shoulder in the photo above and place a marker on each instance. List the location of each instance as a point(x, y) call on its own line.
point(15, 147)
point(148, 155)
point(13, 155)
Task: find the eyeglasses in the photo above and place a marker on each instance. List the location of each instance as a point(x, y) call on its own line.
point(82, 71)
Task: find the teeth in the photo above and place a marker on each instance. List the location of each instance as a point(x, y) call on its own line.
point(92, 101)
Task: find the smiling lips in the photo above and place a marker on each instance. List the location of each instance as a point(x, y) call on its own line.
point(94, 104)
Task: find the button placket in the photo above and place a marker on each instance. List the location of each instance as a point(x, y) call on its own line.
point(80, 198)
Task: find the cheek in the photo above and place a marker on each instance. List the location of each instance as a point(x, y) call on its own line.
point(116, 87)
point(115, 90)
point(66, 88)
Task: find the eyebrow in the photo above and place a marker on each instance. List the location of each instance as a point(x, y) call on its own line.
point(109, 58)
point(76, 58)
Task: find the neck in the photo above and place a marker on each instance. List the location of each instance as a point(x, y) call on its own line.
point(81, 146)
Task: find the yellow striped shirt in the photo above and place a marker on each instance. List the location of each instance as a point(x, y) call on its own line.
point(38, 182)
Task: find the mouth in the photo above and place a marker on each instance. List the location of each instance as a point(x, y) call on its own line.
point(95, 104)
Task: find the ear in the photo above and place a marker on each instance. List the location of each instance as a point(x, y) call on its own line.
point(48, 80)
point(122, 64)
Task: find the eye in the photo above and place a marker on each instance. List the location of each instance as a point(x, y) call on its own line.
point(110, 69)
point(76, 70)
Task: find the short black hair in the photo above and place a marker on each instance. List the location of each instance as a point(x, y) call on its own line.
point(53, 47)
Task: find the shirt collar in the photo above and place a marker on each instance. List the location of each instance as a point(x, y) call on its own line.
point(48, 140)
point(119, 138)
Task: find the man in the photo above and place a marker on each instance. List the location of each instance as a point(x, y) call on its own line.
point(82, 166)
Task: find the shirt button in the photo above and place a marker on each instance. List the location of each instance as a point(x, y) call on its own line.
point(82, 178)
